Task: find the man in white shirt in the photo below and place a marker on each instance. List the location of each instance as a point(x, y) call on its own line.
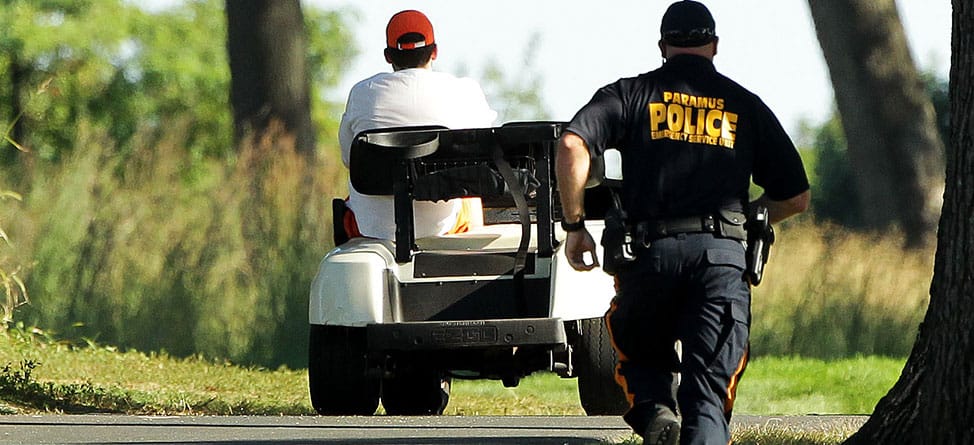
point(413, 94)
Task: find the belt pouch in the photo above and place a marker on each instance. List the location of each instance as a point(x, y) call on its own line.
point(730, 224)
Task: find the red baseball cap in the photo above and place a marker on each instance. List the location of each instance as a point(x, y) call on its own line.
point(406, 22)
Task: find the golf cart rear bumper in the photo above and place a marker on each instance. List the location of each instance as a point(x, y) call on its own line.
point(439, 335)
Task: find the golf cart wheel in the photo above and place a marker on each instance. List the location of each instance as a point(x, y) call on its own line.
point(595, 364)
point(415, 393)
point(337, 377)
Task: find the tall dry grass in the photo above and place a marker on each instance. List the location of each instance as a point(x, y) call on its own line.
point(13, 292)
point(829, 293)
point(161, 252)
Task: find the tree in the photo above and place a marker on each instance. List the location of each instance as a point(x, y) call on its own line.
point(52, 52)
point(887, 116)
point(269, 76)
point(111, 65)
point(933, 401)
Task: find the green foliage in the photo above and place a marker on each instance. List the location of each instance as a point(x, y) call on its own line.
point(138, 257)
point(64, 54)
point(137, 73)
point(835, 198)
point(140, 218)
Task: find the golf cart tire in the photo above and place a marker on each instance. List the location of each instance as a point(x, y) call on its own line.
point(337, 377)
point(595, 363)
point(417, 393)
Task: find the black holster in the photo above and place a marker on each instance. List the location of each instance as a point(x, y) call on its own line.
point(760, 237)
point(616, 238)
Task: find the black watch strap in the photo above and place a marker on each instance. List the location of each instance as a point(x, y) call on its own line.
point(573, 227)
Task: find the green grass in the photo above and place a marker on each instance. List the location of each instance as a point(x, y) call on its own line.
point(39, 374)
point(792, 385)
point(44, 375)
point(52, 376)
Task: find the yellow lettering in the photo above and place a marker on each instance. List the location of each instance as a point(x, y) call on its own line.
point(713, 118)
point(688, 125)
point(657, 115)
point(674, 117)
point(694, 119)
point(728, 127)
point(701, 121)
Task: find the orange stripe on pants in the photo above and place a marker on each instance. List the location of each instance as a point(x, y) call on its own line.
point(620, 379)
point(732, 386)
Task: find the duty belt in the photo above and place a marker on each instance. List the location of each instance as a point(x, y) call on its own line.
point(647, 231)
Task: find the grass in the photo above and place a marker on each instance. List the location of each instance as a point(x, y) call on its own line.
point(160, 251)
point(832, 293)
point(52, 376)
point(221, 261)
point(219, 266)
point(42, 374)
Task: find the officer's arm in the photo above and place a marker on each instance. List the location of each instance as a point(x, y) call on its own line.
point(571, 166)
point(781, 210)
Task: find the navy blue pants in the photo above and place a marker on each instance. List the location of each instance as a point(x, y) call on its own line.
point(685, 287)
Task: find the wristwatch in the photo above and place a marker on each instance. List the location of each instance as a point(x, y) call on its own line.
point(573, 227)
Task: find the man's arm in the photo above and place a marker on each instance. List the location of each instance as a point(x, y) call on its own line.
point(780, 210)
point(572, 164)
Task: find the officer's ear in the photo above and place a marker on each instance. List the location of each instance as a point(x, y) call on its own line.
point(662, 48)
point(716, 39)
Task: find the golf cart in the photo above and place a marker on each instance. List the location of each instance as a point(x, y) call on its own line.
point(397, 320)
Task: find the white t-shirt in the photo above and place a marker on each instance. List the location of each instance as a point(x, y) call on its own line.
point(409, 97)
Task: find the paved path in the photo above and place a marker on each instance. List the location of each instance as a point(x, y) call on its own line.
point(380, 430)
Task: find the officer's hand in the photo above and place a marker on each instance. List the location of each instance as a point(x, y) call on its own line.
point(580, 250)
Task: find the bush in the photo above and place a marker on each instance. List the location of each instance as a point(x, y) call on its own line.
point(131, 252)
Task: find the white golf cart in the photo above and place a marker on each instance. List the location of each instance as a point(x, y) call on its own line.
point(397, 320)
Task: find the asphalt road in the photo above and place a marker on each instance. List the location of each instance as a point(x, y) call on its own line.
point(379, 430)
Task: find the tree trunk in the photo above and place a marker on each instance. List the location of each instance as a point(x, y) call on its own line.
point(267, 47)
point(933, 402)
point(887, 115)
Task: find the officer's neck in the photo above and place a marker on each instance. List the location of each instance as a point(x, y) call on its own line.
point(707, 51)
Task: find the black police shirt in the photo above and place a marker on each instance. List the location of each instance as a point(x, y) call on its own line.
point(690, 139)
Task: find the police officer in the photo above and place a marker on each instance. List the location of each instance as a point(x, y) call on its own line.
point(691, 140)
